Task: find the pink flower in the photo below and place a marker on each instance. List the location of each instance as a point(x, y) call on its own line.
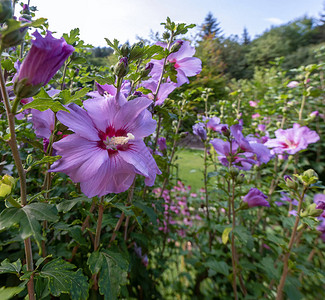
point(106, 150)
point(292, 84)
point(255, 116)
point(183, 61)
point(253, 103)
point(292, 140)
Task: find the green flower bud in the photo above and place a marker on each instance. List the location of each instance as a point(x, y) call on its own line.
point(5, 10)
point(291, 184)
point(312, 211)
point(125, 50)
point(309, 177)
point(121, 68)
point(176, 46)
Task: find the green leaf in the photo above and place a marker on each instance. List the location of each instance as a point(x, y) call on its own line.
point(112, 267)
point(46, 159)
point(8, 267)
point(27, 217)
point(7, 293)
point(61, 279)
point(67, 98)
point(218, 267)
point(148, 211)
point(43, 104)
point(225, 234)
point(67, 205)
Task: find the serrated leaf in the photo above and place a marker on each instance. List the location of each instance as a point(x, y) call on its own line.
point(43, 104)
point(61, 279)
point(8, 267)
point(225, 234)
point(111, 275)
point(28, 218)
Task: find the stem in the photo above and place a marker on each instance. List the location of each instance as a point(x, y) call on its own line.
point(233, 248)
point(22, 178)
point(116, 229)
point(99, 223)
point(290, 245)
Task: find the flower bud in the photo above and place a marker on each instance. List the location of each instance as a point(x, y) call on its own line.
point(7, 183)
point(15, 37)
point(147, 70)
point(176, 46)
point(309, 177)
point(225, 131)
point(125, 50)
point(121, 68)
point(291, 184)
point(312, 211)
point(5, 10)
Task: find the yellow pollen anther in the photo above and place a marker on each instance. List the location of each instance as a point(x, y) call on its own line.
point(113, 142)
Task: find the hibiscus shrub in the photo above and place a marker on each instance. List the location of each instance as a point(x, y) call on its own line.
point(91, 203)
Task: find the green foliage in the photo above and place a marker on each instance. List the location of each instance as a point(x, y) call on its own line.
point(61, 279)
point(112, 267)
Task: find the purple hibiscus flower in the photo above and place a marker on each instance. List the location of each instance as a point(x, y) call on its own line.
point(44, 59)
point(199, 130)
point(183, 61)
point(241, 153)
point(106, 150)
point(110, 90)
point(255, 198)
point(319, 199)
point(292, 140)
point(164, 90)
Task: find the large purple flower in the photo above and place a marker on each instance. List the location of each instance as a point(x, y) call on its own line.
point(183, 61)
point(106, 150)
point(44, 59)
point(255, 198)
point(292, 140)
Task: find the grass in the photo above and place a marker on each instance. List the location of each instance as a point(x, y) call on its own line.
point(190, 167)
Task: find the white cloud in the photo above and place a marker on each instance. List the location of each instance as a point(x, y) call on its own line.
point(275, 21)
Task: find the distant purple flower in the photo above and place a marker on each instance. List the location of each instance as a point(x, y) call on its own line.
point(106, 150)
point(162, 144)
point(199, 130)
point(164, 90)
point(253, 103)
point(44, 59)
point(314, 114)
point(292, 84)
point(285, 198)
point(319, 199)
point(183, 61)
point(255, 198)
point(321, 228)
point(255, 116)
point(293, 212)
point(243, 153)
point(261, 127)
point(292, 140)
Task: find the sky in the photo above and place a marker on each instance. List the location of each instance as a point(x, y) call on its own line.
point(127, 19)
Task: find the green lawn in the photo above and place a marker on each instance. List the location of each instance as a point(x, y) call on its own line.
point(190, 167)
